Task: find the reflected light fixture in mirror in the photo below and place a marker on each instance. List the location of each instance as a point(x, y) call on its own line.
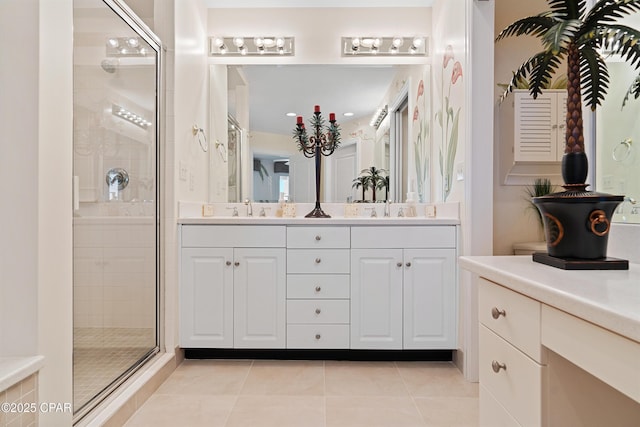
point(125, 46)
point(251, 46)
point(384, 46)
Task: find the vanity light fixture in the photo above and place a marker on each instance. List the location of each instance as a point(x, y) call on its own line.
point(384, 46)
point(251, 46)
point(379, 116)
point(127, 115)
point(124, 46)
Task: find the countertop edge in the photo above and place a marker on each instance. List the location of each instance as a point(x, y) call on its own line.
point(597, 313)
point(317, 221)
point(15, 369)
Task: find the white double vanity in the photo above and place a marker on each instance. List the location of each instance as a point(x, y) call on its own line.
point(327, 284)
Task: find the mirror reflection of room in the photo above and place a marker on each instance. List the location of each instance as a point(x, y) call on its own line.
point(262, 102)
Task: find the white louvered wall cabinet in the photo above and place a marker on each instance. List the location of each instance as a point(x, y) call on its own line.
point(539, 126)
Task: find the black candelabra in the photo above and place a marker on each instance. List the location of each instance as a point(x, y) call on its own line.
point(322, 141)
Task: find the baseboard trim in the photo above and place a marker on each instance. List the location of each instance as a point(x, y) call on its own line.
point(289, 354)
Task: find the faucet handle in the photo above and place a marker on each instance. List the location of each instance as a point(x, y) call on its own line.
point(400, 212)
point(263, 211)
point(235, 210)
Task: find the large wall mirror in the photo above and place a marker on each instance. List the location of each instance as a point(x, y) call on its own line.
point(257, 98)
point(618, 140)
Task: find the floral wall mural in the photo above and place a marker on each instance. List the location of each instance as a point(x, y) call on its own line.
point(422, 142)
point(448, 118)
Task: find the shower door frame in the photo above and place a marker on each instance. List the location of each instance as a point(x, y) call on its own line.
point(122, 11)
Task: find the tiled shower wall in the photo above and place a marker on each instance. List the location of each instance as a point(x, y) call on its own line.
point(23, 394)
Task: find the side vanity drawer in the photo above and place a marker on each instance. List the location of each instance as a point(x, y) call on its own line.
point(317, 311)
point(318, 336)
point(511, 315)
point(314, 286)
point(318, 237)
point(511, 377)
point(318, 261)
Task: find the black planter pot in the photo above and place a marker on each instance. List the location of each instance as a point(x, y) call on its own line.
point(576, 223)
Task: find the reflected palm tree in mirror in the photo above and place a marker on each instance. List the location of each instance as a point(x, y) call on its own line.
point(361, 181)
point(373, 178)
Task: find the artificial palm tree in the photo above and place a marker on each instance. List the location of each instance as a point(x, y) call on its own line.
point(384, 184)
point(569, 31)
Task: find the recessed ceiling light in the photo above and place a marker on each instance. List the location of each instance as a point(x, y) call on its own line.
point(348, 114)
point(291, 114)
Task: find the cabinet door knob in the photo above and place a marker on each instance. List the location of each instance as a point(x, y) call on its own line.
point(237, 263)
point(318, 311)
point(399, 264)
point(318, 288)
point(318, 260)
point(496, 313)
point(318, 238)
point(318, 336)
point(496, 366)
point(408, 264)
point(228, 262)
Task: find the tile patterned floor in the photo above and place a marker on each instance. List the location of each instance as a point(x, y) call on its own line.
point(100, 355)
point(264, 393)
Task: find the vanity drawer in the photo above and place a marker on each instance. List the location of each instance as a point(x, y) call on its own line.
point(404, 237)
point(520, 323)
point(324, 286)
point(317, 311)
point(492, 413)
point(318, 261)
point(518, 386)
point(318, 237)
point(233, 236)
point(318, 336)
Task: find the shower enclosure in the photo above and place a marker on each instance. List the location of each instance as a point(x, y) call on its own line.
point(116, 216)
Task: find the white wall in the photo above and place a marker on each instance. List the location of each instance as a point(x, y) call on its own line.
point(19, 179)
point(186, 105)
point(36, 117)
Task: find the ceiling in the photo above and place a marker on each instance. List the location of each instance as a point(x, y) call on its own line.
point(275, 90)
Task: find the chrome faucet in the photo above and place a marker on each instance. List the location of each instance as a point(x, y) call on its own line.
point(247, 203)
point(387, 208)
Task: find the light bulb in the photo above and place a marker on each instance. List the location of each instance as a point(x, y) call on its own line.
point(133, 42)
point(238, 41)
point(113, 42)
point(259, 42)
point(280, 42)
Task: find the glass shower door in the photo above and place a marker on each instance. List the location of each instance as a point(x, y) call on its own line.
point(115, 224)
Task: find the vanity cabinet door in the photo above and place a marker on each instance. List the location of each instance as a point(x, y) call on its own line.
point(376, 298)
point(429, 299)
point(206, 298)
point(259, 298)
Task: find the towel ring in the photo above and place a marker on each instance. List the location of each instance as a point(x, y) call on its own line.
point(622, 150)
point(199, 132)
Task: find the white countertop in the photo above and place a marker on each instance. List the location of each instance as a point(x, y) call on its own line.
point(320, 221)
point(608, 298)
point(15, 369)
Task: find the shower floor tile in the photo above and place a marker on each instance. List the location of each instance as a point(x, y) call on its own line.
point(100, 355)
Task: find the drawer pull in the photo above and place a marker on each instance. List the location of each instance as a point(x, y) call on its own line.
point(318, 288)
point(318, 238)
point(496, 313)
point(228, 262)
point(399, 264)
point(318, 260)
point(236, 263)
point(496, 366)
point(408, 264)
point(318, 336)
point(318, 311)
